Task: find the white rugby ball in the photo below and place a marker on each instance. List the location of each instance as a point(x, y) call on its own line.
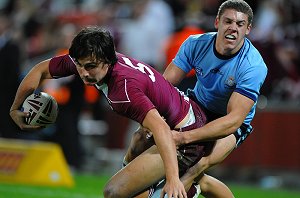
point(42, 107)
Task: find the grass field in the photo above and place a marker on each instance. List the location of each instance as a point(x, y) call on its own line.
point(88, 186)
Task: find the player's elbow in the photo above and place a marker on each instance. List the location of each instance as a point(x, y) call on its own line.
point(231, 130)
point(233, 123)
point(111, 191)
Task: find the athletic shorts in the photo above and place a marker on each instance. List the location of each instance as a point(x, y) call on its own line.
point(189, 154)
point(241, 133)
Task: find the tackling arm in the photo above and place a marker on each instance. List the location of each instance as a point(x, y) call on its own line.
point(238, 107)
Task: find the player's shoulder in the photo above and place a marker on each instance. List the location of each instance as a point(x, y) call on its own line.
point(202, 37)
point(200, 42)
point(253, 63)
point(251, 50)
point(253, 55)
point(127, 61)
point(128, 71)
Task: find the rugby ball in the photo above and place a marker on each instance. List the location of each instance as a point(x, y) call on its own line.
point(42, 109)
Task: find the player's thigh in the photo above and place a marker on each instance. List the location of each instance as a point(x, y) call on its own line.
point(139, 174)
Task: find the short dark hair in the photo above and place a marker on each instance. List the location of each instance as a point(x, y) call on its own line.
point(93, 41)
point(238, 5)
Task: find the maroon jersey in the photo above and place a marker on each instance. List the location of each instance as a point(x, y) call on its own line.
point(133, 88)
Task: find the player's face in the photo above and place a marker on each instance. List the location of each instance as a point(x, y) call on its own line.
point(90, 70)
point(232, 28)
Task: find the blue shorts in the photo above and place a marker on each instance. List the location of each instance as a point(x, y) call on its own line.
point(241, 133)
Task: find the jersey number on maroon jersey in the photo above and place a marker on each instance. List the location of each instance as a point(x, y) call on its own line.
point(141, 67)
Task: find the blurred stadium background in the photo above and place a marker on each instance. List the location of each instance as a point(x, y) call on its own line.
point(93, 139)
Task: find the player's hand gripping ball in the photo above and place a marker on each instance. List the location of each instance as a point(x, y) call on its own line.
point(42, 109)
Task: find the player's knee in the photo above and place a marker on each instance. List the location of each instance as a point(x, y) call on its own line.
point(211, 187)
point(137, 134)
point(138, 140)
point(139, 143)
point(205, 183)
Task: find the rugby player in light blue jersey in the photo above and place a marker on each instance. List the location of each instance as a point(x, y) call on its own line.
point(230, 72)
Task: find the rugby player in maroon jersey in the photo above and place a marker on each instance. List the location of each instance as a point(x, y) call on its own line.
point(137, 91)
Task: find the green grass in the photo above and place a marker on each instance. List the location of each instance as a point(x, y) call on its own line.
point(256, 192)
point(88, 186)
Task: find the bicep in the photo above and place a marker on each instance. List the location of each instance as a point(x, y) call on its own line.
point(239, 106)
point(174, 74)
point(43, 69)
point(37, 75)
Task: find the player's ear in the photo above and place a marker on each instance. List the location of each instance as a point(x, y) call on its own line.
point(248, 29)
point(217, 22)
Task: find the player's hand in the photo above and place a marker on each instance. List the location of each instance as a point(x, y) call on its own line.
point(19, 118)
point(178, 137)
point(173, 189)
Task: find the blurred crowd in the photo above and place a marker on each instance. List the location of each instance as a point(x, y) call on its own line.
point(149, 30)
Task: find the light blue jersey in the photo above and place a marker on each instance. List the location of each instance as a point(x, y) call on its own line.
point(218, 76)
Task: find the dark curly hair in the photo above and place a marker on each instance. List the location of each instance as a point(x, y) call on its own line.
point(93, 41)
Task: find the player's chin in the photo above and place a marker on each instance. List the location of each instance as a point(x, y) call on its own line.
point(230, 42)
point(230, 46)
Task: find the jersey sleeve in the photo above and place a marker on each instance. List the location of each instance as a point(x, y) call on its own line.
point(61, 66)
point(251, 81)
point(133, 103)
point(140, 107)
point(183, 56)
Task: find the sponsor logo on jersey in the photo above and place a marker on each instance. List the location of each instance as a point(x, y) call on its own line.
point(199, 71)
point(216, 71)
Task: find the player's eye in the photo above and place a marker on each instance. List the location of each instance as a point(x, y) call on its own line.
point(240, 24)
point(228, 21)
point(90, 66)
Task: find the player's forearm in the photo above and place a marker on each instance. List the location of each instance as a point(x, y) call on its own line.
point(30, 83)
point(213, 130)
point(27, 86)
point(164, 142)
point(21, 94)
point(167, 150)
